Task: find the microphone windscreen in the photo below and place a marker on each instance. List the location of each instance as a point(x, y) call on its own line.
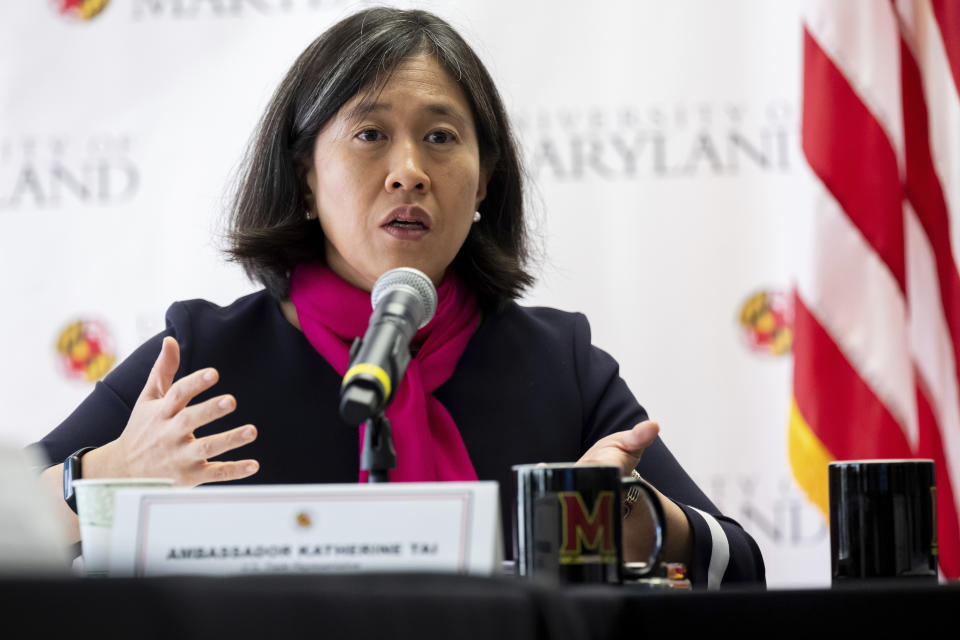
point(412, 281)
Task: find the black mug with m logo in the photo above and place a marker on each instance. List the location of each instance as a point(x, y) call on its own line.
point(567, 522)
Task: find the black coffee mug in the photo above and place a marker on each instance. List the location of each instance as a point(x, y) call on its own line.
point(883, 522)
point(567, 523)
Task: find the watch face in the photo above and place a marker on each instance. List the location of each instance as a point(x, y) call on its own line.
point(71, 472)
point(68, 471)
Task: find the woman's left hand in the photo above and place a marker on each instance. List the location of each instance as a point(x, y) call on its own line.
point(622, 449)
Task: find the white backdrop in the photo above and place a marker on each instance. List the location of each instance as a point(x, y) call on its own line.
point(662, 140)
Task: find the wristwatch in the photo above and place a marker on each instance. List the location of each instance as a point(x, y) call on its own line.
point(71, 472)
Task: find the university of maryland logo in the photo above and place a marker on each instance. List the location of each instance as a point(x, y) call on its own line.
point(86, 350)
point(80, 9)
point(303, 520)
point(766, 323)
point(587, 537)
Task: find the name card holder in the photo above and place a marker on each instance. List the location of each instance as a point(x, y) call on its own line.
point(441, 527)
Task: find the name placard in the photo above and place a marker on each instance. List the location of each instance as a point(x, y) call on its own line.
point(443, 526)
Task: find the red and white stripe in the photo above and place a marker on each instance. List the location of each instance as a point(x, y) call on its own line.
point(877, 341)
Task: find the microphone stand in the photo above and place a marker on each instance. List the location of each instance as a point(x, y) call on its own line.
point(378, 455)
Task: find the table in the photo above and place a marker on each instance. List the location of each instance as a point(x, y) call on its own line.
point(452, 606)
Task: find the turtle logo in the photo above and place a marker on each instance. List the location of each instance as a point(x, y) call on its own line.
point(85, 350)
point(80, 9)
point(766, 323)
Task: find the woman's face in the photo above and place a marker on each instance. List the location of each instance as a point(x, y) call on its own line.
point(396, 176)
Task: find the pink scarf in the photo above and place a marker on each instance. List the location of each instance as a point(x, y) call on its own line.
point(333, 312)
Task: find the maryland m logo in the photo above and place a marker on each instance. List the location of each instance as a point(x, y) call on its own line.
point(593, 531)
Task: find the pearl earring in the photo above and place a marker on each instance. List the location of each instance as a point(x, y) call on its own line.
point(307, 214)
point(476, 217)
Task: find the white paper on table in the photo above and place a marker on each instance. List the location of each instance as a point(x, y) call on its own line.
point(434, 526)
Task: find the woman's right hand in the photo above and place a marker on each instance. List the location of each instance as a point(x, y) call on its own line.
point(158, 441)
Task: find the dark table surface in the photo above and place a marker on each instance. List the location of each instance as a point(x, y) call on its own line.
point(452, 606)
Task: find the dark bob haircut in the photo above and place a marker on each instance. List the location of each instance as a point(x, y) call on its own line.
point(268, 233)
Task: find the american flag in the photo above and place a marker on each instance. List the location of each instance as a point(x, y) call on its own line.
point(877, 306)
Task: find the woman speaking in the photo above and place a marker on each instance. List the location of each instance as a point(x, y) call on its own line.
point(386, 145)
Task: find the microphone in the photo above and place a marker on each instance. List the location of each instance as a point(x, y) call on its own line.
point(403, 301)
